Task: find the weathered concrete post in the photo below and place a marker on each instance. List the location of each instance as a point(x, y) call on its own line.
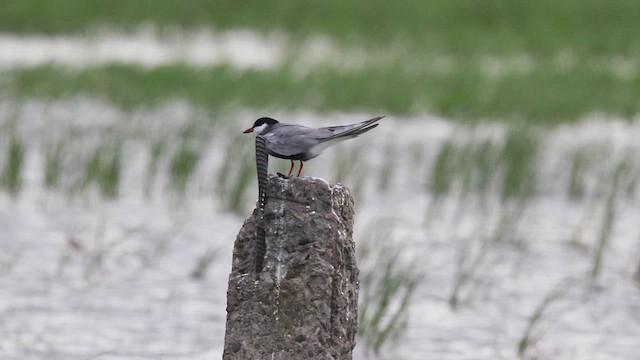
point(303, 304)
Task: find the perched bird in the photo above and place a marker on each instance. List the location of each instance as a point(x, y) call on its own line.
point(297, 142)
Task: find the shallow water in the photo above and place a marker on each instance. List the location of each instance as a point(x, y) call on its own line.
point(242, 49)
point(86, 277)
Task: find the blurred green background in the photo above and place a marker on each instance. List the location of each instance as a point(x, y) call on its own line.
point(542, 61)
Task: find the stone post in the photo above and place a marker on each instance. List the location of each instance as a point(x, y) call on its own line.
point(303, 304)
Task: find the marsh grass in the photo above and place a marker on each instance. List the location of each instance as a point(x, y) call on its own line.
point(53, 166)
point(620, 175)
point(158, 149)
point(236, 174)
point(470, 259)
point(183, 164)
point(466, 93)
point(476, 167)
point(457, 27)
point(631, 169)
point(388, 280)
point(389, 167)
point(444, 170)
point(94, 251)
point(346, 163)
point(103, 169)
point(244, 178)
point(464, 169)
point(348, 168)
point(502, 60)
point(475, 254)
point(580, 160)
point(11, 179)
point(519, 157)
point(486, 157)
point(533, 331)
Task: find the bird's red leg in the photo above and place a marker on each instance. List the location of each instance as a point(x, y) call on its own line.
point(301, 165)
point(290, 169)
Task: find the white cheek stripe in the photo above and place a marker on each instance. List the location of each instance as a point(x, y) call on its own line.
point(258, 129)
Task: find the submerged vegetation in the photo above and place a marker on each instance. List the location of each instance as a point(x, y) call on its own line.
point(104, 168)
point(183, 164)
point(388, 281)
point(11, 178)
point(504, 174)
point(236, 174)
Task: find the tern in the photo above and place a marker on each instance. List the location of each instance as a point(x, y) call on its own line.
point(302, 143)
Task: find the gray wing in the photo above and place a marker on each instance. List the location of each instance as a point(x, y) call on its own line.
point(351, 130)
point(287, 140)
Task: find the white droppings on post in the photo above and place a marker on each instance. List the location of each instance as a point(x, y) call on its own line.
point(279, 229)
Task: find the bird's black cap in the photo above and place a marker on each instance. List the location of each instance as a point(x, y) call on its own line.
point(265, 120)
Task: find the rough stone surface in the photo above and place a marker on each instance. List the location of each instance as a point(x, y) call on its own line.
point(303, 305)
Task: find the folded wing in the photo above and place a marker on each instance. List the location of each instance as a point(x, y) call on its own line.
point(303, 143)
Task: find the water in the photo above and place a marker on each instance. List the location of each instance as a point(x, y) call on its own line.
point(243, 49)
point(87, 277)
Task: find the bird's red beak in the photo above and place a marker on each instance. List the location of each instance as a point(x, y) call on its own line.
point(248, 131)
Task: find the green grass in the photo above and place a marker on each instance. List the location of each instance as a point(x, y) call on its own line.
point(183, 164)
point(471, 168)
point(388, 170)
point(157, 150)
point(534, 329)
point(11, 177)
point(615, 186)
point(457, 26)
point(53, 166)
point(103, 169)
point(477, 254)
point(443, 170)
point(580, 161)
point(568, 46)
point(547, 95)
point(387, 284)
point(236, 174)
point(519, 158)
